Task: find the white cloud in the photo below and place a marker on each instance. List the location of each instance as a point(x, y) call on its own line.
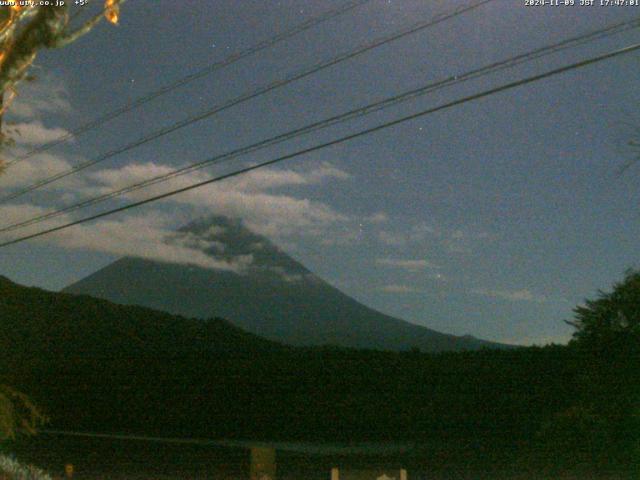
point(340, 238)
point(523, 295)
point(148, 236)
point(269, 213)
point(47, 94)
point(354, 231)
point(289, 277)
point(459, 241)
point(392, 238)
point(326, 170)
point(13, 213)
point(379, 217)
point(34, 133)
point(270, 178)
point(29, 171)
point(398, 288)
point(405, 264)
point(195, 242)
point(153, 235)
point(250, 182)
point(453, 240)
point(145, 238)
point(398, 238)
point(116, 178)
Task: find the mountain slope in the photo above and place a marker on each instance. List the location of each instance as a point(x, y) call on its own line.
point(97, 366)
point(100, 367)
point(35, 322)
point(277, 297)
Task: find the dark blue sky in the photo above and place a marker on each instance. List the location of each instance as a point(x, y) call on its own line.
point(494, 218)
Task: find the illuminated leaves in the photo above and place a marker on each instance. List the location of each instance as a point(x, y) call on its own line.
point(112, 10)
point(17, 413)
point(25, 30)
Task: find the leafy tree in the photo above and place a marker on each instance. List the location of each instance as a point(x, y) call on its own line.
point(17, 414)
point(613, 319)
point(24, 31)
point(607, 338)
point(573, 437)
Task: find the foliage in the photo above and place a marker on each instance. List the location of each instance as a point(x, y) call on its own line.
point(25, 30)
point(130, 369)
point(613, 319)
point(607, 342)
point(574, 437)
point(17, 414)
point(16, 471)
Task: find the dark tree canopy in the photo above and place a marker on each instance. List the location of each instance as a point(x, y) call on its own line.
point(613, 318)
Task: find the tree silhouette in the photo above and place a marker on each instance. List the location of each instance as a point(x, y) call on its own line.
point(607, 338)
point(17, 414)
point(613, 319)
point(24, 31)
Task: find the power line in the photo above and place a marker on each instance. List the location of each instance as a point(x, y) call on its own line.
point(367, 109)
point(209, 69)
point(246, 97)
point(337, 141)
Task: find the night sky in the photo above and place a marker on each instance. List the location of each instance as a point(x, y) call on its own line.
point(494, 218)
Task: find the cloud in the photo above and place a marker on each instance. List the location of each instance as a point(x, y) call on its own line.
point(35, 133)
point(340, 238)
point(379, 217)
point(254, 181)
point(415, 234)
point(396, 288)
point(248, 197)
point(41, 166)
point(452, 240)
point(153, 235)
point(15, 213)
point(287, 276)
point(411, 265)
point(354, 231)
point(523, 295)
point(148, 236)
point(271, 178)
point(195, 242)
point(462, 241)
point(47, 94)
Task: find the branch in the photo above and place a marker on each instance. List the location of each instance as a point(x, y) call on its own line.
point(48, 29)
point(48, 23)
point(70, 37)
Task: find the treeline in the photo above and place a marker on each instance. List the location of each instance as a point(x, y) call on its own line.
point(95, 366)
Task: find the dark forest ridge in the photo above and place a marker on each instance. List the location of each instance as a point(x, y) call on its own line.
point(119, 368)
point(65, 324)
point(275, 297)
point(95, 366)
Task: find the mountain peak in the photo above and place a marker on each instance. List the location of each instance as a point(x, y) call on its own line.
point(275, 297)
point(228, 239)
